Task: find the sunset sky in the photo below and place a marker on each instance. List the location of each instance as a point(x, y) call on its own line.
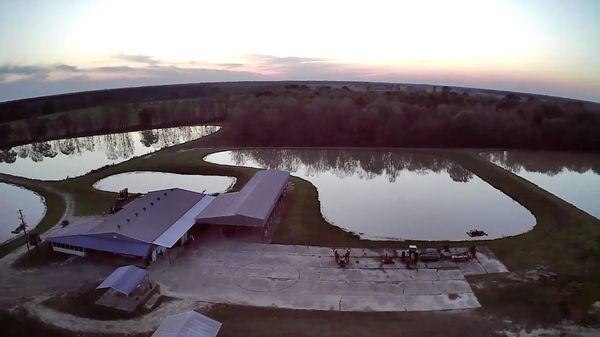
point(547, 47)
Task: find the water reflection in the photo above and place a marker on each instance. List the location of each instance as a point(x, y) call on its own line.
point(572, 176)
point(13, 199)
point(551, 163)
point(143, 182)
point(393, 194)
point(59, 159)
point(365, 164)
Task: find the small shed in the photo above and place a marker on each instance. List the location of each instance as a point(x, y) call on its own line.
point(188, 324)
point(125, 279)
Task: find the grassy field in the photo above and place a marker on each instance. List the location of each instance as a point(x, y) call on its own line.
point(18, 324)
point(256, 322)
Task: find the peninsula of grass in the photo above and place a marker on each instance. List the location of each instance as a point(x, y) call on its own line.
point(55, 208)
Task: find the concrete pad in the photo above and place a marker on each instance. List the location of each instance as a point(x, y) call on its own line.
point(491, 264)
point(373, 303)
point(443, 264)
point(375, 263)
point(367, 252)
point(264, 284)
point(423, 274)
point(471, 267)
point(453, 274)
point(441, 302)
point(452, 286)
point(306, 277)
point(308, 302)
point(356, 275)
point(420, 288)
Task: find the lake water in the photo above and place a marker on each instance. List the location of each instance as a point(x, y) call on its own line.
point(72, 157)
point(574, 177)
point(394, 195)
point(13, 199)
point(143, 182)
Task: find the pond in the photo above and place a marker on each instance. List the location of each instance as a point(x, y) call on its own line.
point(143, 182)
point(13, 199)
point(573, 177)
point(72, 157)
point(394, 195)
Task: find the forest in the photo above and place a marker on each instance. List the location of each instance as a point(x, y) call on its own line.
point(325, 116)
point(317, 114)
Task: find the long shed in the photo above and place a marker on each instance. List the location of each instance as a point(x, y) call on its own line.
point(252, 205)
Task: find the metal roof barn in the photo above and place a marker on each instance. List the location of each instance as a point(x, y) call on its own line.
point(149, 216)
point(113, 244)
point(252, 205)
point(124, 279)
point(158, 218)
point(188, 324)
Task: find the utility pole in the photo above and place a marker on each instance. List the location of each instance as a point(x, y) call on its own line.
point(24, 226)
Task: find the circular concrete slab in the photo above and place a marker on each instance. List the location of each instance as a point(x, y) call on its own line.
point(265, 278)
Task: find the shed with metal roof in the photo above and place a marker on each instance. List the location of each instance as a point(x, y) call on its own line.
point(252, 206)
point(151, 223)
point(188, 324)
point(124, 279)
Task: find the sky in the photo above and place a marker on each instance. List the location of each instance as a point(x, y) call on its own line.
point(537, 46)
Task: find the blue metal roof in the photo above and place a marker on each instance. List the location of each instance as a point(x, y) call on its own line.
point(107, 244)
point(124, 279)
point(159, 217)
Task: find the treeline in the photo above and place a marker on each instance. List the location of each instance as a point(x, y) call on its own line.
point(318, 114)
point(114, 117)
point(43, 106)
point(325, 116)
point(36, 107)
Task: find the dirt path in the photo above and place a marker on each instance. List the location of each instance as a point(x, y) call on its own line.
point(142, 324)
point(69, 202)
point(16, 284)
point(29, 183)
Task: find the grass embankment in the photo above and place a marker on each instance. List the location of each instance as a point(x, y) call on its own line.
point(55, 208)
point(565, 239)
point(90, 201)
point(39, 256)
